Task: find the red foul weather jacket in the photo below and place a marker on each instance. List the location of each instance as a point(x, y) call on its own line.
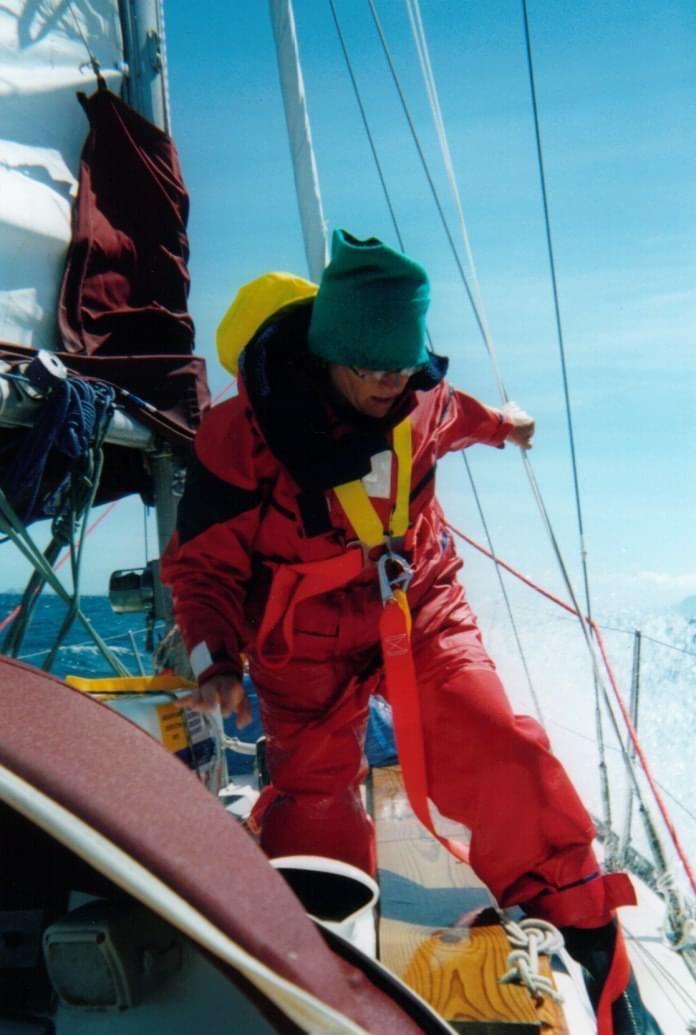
point(260, 497)
point(259, 491)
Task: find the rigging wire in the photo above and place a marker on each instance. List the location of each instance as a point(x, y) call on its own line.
point(601, 747)
point(586, 629)
point(93, 61)
point(422, 47)
point(426, 169)
point(632, 632)
point(590, 740)
point(501, 583)
point(652, 639)
point(84, 643)
point(556, 305)
point(663, 974)
point(420, 40)
point(366, 125)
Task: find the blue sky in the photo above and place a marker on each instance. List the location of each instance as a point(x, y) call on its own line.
point(616, 88)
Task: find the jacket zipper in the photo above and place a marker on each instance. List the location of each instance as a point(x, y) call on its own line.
point(631, 1014)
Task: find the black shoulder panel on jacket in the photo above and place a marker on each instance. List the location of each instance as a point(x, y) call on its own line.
point(208, 500)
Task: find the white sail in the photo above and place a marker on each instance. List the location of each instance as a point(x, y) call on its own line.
point(46, 56)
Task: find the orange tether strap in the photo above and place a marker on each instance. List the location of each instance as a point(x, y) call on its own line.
point(293, 583)
point(402, 691)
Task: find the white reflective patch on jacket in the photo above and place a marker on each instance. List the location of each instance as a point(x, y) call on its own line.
point(378, 482)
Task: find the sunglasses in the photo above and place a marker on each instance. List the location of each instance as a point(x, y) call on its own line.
point(379, 375)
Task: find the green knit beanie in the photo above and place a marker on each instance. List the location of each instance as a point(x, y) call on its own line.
point(370, 308)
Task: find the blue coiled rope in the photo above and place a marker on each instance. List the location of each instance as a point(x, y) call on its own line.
point(72, 418)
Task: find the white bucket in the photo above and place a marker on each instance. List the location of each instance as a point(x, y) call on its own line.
point(338, 895)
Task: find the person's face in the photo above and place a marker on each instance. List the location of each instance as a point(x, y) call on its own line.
point(370, 392)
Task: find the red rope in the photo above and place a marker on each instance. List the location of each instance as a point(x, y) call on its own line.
point(223, 391)
point(617, 693)
point(97, 521)
point(8, 618)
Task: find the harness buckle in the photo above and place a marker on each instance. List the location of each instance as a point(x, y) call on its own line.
point(388, 583)
point(358, 544)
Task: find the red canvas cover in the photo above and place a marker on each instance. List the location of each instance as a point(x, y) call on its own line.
point(124, 784)
point(126, 281)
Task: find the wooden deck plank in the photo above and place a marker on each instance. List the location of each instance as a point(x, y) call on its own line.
point(453, 963)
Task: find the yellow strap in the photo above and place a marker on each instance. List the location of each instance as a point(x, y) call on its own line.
point(402, 448)
point(402, 601)
point(356, 503)
point(129, 684)
point(360, 512)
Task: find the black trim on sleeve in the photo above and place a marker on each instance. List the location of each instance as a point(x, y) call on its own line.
point(208, 500)
point(272, 502)
point(427, 477)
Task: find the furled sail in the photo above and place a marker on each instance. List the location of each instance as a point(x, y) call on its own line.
point(93, 242)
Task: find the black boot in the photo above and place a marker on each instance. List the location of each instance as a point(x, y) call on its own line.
point(595, 949)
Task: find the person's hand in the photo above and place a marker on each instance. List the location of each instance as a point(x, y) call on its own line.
point(225, 690)
point(522, 430)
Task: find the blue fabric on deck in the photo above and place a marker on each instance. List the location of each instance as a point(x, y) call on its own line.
point(238, 764)
point(380, 747)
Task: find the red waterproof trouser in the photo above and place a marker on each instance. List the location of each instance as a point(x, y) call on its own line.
point(487, 767)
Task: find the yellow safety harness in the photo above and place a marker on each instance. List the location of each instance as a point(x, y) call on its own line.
point(356, 503)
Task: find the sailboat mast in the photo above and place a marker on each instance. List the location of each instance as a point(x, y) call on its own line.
point(299, 132)
point(146, 89)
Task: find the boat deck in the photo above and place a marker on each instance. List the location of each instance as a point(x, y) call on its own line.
point(437, 929)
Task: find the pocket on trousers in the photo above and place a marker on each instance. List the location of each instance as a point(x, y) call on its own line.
point(316, 628)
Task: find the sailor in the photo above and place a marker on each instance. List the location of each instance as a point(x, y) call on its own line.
point(309, 513)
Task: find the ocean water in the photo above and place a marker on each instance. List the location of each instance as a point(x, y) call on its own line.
point(126, 635)
point(563, 678)
point(557, 665)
